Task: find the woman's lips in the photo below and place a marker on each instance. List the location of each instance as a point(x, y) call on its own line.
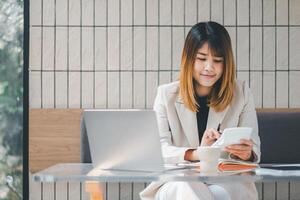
point(207, 76)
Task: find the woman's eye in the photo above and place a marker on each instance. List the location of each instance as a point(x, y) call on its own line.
point(203, 59)
point(218, 61)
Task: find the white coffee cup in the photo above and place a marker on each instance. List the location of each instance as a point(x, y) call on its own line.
point(209, 157)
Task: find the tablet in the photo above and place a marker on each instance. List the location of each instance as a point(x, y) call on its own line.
point(233, 136)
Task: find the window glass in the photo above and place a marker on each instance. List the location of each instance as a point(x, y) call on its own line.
point(11, 98)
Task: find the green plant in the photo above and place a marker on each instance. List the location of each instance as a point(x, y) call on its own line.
point(11, 96)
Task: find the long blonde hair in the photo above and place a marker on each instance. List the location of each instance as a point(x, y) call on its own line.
point(219, 43)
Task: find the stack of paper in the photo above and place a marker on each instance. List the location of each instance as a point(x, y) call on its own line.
point(233, 165)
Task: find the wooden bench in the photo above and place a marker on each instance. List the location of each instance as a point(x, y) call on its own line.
point(54, 137)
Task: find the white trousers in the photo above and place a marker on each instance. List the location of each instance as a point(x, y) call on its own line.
point(191, 191)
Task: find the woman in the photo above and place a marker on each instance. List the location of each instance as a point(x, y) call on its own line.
point(190, 110)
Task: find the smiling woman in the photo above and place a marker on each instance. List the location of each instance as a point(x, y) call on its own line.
point(11, 96)
point(190, 110)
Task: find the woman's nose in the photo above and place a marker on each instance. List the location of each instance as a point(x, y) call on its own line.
point(208, 66)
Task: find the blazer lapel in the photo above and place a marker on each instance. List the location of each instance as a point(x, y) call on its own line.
point(215, 118)
point(189, 123)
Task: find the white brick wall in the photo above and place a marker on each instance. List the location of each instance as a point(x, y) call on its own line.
point(114, 54)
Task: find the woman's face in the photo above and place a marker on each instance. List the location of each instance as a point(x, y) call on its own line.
point(207, 70)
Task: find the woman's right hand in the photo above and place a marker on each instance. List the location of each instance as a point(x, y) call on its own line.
point(209, 137)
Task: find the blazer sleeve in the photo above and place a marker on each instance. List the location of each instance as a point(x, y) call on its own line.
point(171, 153)
point(248, 118)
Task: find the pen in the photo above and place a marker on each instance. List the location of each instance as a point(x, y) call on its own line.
point(218, 129)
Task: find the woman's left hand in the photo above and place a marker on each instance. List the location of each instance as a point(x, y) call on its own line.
point(242, 150)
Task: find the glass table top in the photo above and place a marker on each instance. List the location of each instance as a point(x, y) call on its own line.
point(83, 172)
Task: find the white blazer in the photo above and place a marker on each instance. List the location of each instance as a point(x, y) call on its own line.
point(178, 131)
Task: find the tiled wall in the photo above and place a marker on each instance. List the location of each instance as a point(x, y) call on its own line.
point(114, 54)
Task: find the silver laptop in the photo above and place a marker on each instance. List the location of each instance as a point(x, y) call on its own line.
point(124, 139)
